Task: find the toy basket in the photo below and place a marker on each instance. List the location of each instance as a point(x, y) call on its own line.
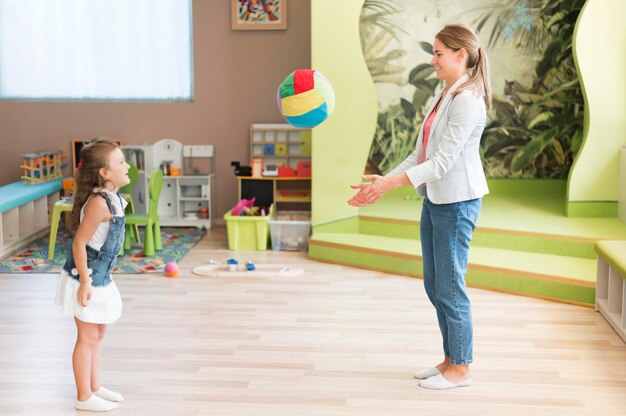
point(248, 232)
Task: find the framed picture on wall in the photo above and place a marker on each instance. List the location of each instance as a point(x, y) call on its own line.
point(258, 14)
point(78, 144)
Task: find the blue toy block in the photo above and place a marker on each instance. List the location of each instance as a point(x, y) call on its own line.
point(268, 149)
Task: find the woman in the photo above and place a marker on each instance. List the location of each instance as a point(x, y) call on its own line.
point(447, 171)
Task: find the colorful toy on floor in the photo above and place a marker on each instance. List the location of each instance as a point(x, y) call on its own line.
point(305, 98)
point(42, 166)
point(171, 269)
point(232, 265)
point(232, 268)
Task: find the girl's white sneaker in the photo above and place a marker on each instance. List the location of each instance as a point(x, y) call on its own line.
point(95, 404)
point(110, 395)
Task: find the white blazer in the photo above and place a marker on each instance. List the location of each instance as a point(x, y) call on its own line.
point(453, 170)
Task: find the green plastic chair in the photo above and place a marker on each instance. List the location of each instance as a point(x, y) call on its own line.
point(126, 193)
point(152, 239)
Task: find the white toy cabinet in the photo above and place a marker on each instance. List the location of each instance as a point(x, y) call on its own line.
point(186, 199)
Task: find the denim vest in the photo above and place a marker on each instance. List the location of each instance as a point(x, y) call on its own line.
point(102, 262)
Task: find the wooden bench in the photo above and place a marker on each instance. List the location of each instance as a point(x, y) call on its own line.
point(611, 284)
point(25, 212)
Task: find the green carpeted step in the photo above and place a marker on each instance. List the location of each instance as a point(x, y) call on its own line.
point(488, 237)
point(525, 221)
point(564, 278)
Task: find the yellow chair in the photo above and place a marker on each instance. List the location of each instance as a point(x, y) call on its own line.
point(62, 205)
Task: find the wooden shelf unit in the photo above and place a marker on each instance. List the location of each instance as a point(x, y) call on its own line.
point(180, 194)
point(611, 284)
point(286, 193)
point(279, 144)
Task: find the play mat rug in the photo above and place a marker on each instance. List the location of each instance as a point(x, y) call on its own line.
point(33, 258)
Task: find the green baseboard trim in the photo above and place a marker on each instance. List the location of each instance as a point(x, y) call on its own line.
point(527, 186)
point(591, 209)
point(490, 280)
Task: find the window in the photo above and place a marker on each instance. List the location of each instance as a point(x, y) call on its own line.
point(127, 50)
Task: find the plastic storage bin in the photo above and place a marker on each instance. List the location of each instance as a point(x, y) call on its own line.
point(248, 232)
point(290, 231)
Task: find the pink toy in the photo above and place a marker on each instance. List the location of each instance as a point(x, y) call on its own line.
point(244, 203)
point(171, 269)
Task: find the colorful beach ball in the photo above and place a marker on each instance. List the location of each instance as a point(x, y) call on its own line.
point(305, 98)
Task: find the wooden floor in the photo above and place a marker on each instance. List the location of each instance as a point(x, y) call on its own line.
point(334, 341)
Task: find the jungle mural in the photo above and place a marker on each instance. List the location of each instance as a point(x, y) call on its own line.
point(535, 126)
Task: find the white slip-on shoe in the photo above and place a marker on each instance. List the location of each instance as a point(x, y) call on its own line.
point(109, 395)
point(439, 382)
point(95, 404)
point(426, 373)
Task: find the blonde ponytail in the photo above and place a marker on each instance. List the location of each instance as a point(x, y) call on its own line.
point(460, 36)
point(480, 77)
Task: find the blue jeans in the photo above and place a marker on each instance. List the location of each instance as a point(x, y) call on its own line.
point(446, 231)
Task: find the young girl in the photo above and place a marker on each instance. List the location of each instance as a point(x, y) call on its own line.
point(86, 288)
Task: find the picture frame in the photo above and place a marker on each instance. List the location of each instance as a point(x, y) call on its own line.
point(258, 14)
point(78, 144)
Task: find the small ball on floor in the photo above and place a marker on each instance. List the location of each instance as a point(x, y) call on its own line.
point(171, 269)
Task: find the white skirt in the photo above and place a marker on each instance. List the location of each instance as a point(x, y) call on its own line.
point(105, 306)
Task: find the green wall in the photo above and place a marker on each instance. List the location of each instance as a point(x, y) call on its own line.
point(340, 144)
point(600, 51)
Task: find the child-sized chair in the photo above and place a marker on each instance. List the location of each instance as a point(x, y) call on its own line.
point(63, 205)
point(152, 239)
point(126, 193)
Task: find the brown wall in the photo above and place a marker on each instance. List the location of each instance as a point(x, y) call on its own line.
point(236, 76)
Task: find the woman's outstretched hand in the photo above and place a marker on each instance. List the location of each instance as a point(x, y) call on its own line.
point(370, 192)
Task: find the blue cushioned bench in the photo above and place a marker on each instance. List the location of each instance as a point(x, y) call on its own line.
point(24, 212)
point(611, 284)
point(18, 193)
